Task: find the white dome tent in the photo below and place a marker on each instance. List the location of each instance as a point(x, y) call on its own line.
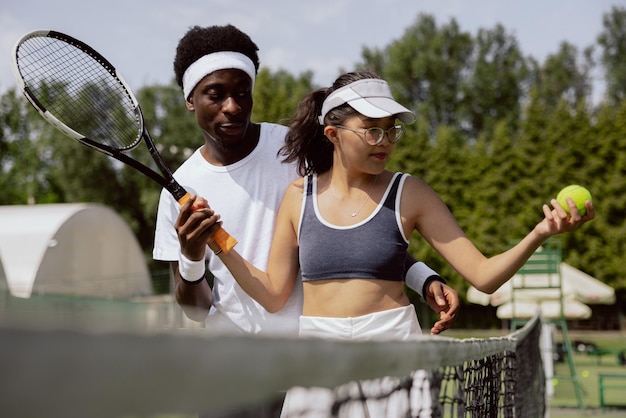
point(579, 290)
point(70, 249)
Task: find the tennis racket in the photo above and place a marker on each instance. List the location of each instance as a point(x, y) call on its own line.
point(79, 92)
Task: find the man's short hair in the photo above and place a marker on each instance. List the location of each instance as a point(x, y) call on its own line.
point(200, 41)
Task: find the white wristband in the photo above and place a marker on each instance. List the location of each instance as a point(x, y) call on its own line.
point(191, 271)
point(417, 275)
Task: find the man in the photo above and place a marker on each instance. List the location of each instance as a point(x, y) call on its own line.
point(238, 171)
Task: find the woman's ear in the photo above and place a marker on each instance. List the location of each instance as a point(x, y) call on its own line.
point(331, 133)
point(189, 104)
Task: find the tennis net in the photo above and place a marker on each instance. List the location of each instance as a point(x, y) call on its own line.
point(82, 370)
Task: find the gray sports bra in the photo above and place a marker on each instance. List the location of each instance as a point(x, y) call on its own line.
point(372, 249)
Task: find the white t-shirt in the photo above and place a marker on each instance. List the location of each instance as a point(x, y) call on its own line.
point(247, 195)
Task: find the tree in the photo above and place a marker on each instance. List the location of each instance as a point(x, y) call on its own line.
point(497, 135)
point(426, 69)
point(564, 77)
point(14, 184)
point(605, 168)
point(176, 136)
point(495, 84)
point(445, 170)
point(499, 170)
point(276, 94)
point(24, 158)
point(172, 126)
point(613, 42)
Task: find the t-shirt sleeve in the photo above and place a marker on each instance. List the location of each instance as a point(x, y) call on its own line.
point(166, 245)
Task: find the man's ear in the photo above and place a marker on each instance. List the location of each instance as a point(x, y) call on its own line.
point(189, 104)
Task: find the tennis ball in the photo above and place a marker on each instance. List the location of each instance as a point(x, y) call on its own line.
point(578, 194)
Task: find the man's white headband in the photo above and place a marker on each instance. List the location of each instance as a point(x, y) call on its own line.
point(209, 63)
point(370, 97)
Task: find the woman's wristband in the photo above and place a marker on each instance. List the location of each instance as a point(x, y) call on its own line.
point(191, 271)
point(419, 276)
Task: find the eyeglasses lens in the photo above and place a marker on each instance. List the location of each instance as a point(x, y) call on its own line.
point(375, 135)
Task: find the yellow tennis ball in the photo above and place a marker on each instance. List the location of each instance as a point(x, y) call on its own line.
point(578, 194)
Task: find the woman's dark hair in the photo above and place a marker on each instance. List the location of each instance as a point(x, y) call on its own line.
point(306, 143)
point(201, 41)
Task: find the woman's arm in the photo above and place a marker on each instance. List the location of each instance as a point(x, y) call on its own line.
point(272, 288)
point(427, 213)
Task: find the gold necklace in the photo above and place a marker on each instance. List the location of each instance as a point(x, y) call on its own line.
point(356, 212)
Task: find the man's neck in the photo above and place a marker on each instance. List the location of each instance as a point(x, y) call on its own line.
point(217, 153)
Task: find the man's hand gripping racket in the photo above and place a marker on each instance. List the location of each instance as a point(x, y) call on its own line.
point(79, 92)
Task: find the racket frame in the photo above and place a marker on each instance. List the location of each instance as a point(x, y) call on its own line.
point(165, 179)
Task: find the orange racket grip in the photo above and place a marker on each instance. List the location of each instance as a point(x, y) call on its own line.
point(223, 239)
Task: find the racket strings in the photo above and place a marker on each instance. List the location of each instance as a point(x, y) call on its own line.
point(79, 90)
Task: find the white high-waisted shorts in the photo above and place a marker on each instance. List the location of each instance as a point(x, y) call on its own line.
point(393, 324)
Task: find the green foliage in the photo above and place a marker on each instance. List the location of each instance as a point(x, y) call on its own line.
point(526, 130)
point(613, 43)
point(498, 135)
point(13, 142)
point(425, 69)
point(565, 76)
point(496, 82)
point(277, 94)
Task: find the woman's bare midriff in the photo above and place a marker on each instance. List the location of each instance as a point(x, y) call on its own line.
point(344, 298)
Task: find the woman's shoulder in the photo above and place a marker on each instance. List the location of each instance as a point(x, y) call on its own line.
point(415, 189)
point(292, 198)
point(413, 181)
point(296, 189)
point(297, 185)
point(419, 194)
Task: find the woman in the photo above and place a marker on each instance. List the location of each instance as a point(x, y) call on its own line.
point(346, 224)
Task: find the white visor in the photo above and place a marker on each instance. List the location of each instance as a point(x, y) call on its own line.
point(370, 97)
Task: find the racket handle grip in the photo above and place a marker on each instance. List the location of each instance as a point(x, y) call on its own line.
point(223, 239)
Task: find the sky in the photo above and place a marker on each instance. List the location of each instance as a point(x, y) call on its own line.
point(139, 37)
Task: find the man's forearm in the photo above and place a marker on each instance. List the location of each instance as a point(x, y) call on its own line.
point(194, 298)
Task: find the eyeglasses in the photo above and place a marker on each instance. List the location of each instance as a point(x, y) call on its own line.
point(375, 135)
